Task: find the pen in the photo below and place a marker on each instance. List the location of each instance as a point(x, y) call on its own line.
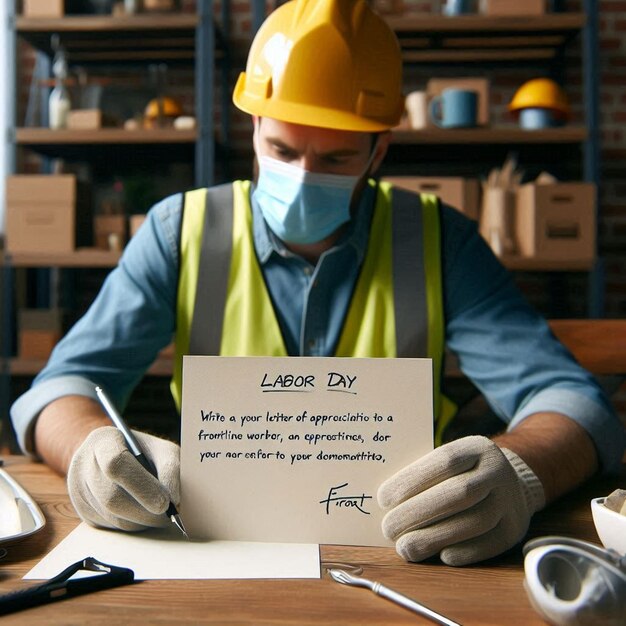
point(138, 453)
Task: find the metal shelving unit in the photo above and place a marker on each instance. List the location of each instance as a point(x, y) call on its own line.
point(179, 39)
point(471, 42)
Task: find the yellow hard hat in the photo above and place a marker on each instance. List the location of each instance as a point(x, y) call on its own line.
point(171, 108)
point(541, 93)
point(328, 63)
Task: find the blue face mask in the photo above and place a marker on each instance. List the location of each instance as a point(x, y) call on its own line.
point(302, 206)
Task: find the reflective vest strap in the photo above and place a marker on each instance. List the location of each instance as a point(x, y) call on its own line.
point(212, 283)
point(445, 409)
point(191, 225)
point(433, 276)
point(418, 295)
point(196, 204)
point(409, 289)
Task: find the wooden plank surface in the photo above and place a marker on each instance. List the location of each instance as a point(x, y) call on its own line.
point(82, 257)
point(486, 594)
point(599, 345)
point(502, 135)
point(46, 136)
point(107, 23)
point(82, 34)
point(92, 257)
point(485, 26)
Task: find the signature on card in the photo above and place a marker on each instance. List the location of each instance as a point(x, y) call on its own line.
point(336, 500)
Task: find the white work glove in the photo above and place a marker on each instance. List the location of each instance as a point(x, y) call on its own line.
point(109, 487)
point(467, 500)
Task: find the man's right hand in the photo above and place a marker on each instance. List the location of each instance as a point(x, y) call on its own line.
point(109, 487)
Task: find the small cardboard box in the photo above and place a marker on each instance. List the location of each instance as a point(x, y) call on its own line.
point(41, 213)
point(135, 223)
point(512, 7)
point(435, 87)
point(84, 119)
point(44, 8)
point(556, 221)
point(39, 331)
point(110, 231)
point(462, 194)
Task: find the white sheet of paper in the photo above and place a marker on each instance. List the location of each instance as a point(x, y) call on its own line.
point(166, 554)
point(294, 448)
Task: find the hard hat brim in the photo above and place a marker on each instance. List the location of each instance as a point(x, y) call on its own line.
point(309, 115)
point(560, 112)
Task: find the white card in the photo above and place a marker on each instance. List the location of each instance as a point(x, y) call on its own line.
point(163, 553)
point(294, 448)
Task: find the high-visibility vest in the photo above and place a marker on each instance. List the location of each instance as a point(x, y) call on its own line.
point(396, 309)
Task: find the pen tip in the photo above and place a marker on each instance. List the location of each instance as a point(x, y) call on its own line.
point(179, 524)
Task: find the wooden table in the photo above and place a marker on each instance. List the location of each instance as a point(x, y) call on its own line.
point(489, 593)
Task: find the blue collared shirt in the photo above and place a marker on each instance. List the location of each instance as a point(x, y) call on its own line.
point(503, 345)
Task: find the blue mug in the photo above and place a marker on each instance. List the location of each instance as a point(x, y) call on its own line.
point(455, 108)
point(456, 7)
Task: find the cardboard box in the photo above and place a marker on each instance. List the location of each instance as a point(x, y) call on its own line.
point(44, 8)
point(110, 231)
point(557, 221)
point(135, 223)
point(159, 5)
point(512, 7)
point(41, 213)
point(84, 119)
point(39, 331)
point(462, 194)
point(435, 86)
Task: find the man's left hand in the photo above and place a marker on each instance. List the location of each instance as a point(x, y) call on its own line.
point(467, 500)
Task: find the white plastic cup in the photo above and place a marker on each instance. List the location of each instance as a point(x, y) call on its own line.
point(416, 105)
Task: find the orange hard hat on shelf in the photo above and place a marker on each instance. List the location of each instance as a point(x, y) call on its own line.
point(541, 93)
point(328, 63)
point(171, 108)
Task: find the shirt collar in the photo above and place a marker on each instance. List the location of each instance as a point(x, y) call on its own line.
point(356, 236)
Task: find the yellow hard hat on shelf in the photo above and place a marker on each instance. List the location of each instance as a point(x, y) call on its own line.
point(541, 93)
point(328, 63)
point(171, 108)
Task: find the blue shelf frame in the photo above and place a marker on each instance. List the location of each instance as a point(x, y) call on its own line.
point(591, 165)
point(6, 271)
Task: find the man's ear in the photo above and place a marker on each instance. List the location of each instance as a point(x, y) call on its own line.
point(382, 145)
point(256, 122)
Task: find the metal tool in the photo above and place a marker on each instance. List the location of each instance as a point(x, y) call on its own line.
point(343, 577)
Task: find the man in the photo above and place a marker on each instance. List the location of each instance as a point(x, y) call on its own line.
point(316, 263)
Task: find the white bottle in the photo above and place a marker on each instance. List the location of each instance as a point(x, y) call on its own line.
point(59, 105)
